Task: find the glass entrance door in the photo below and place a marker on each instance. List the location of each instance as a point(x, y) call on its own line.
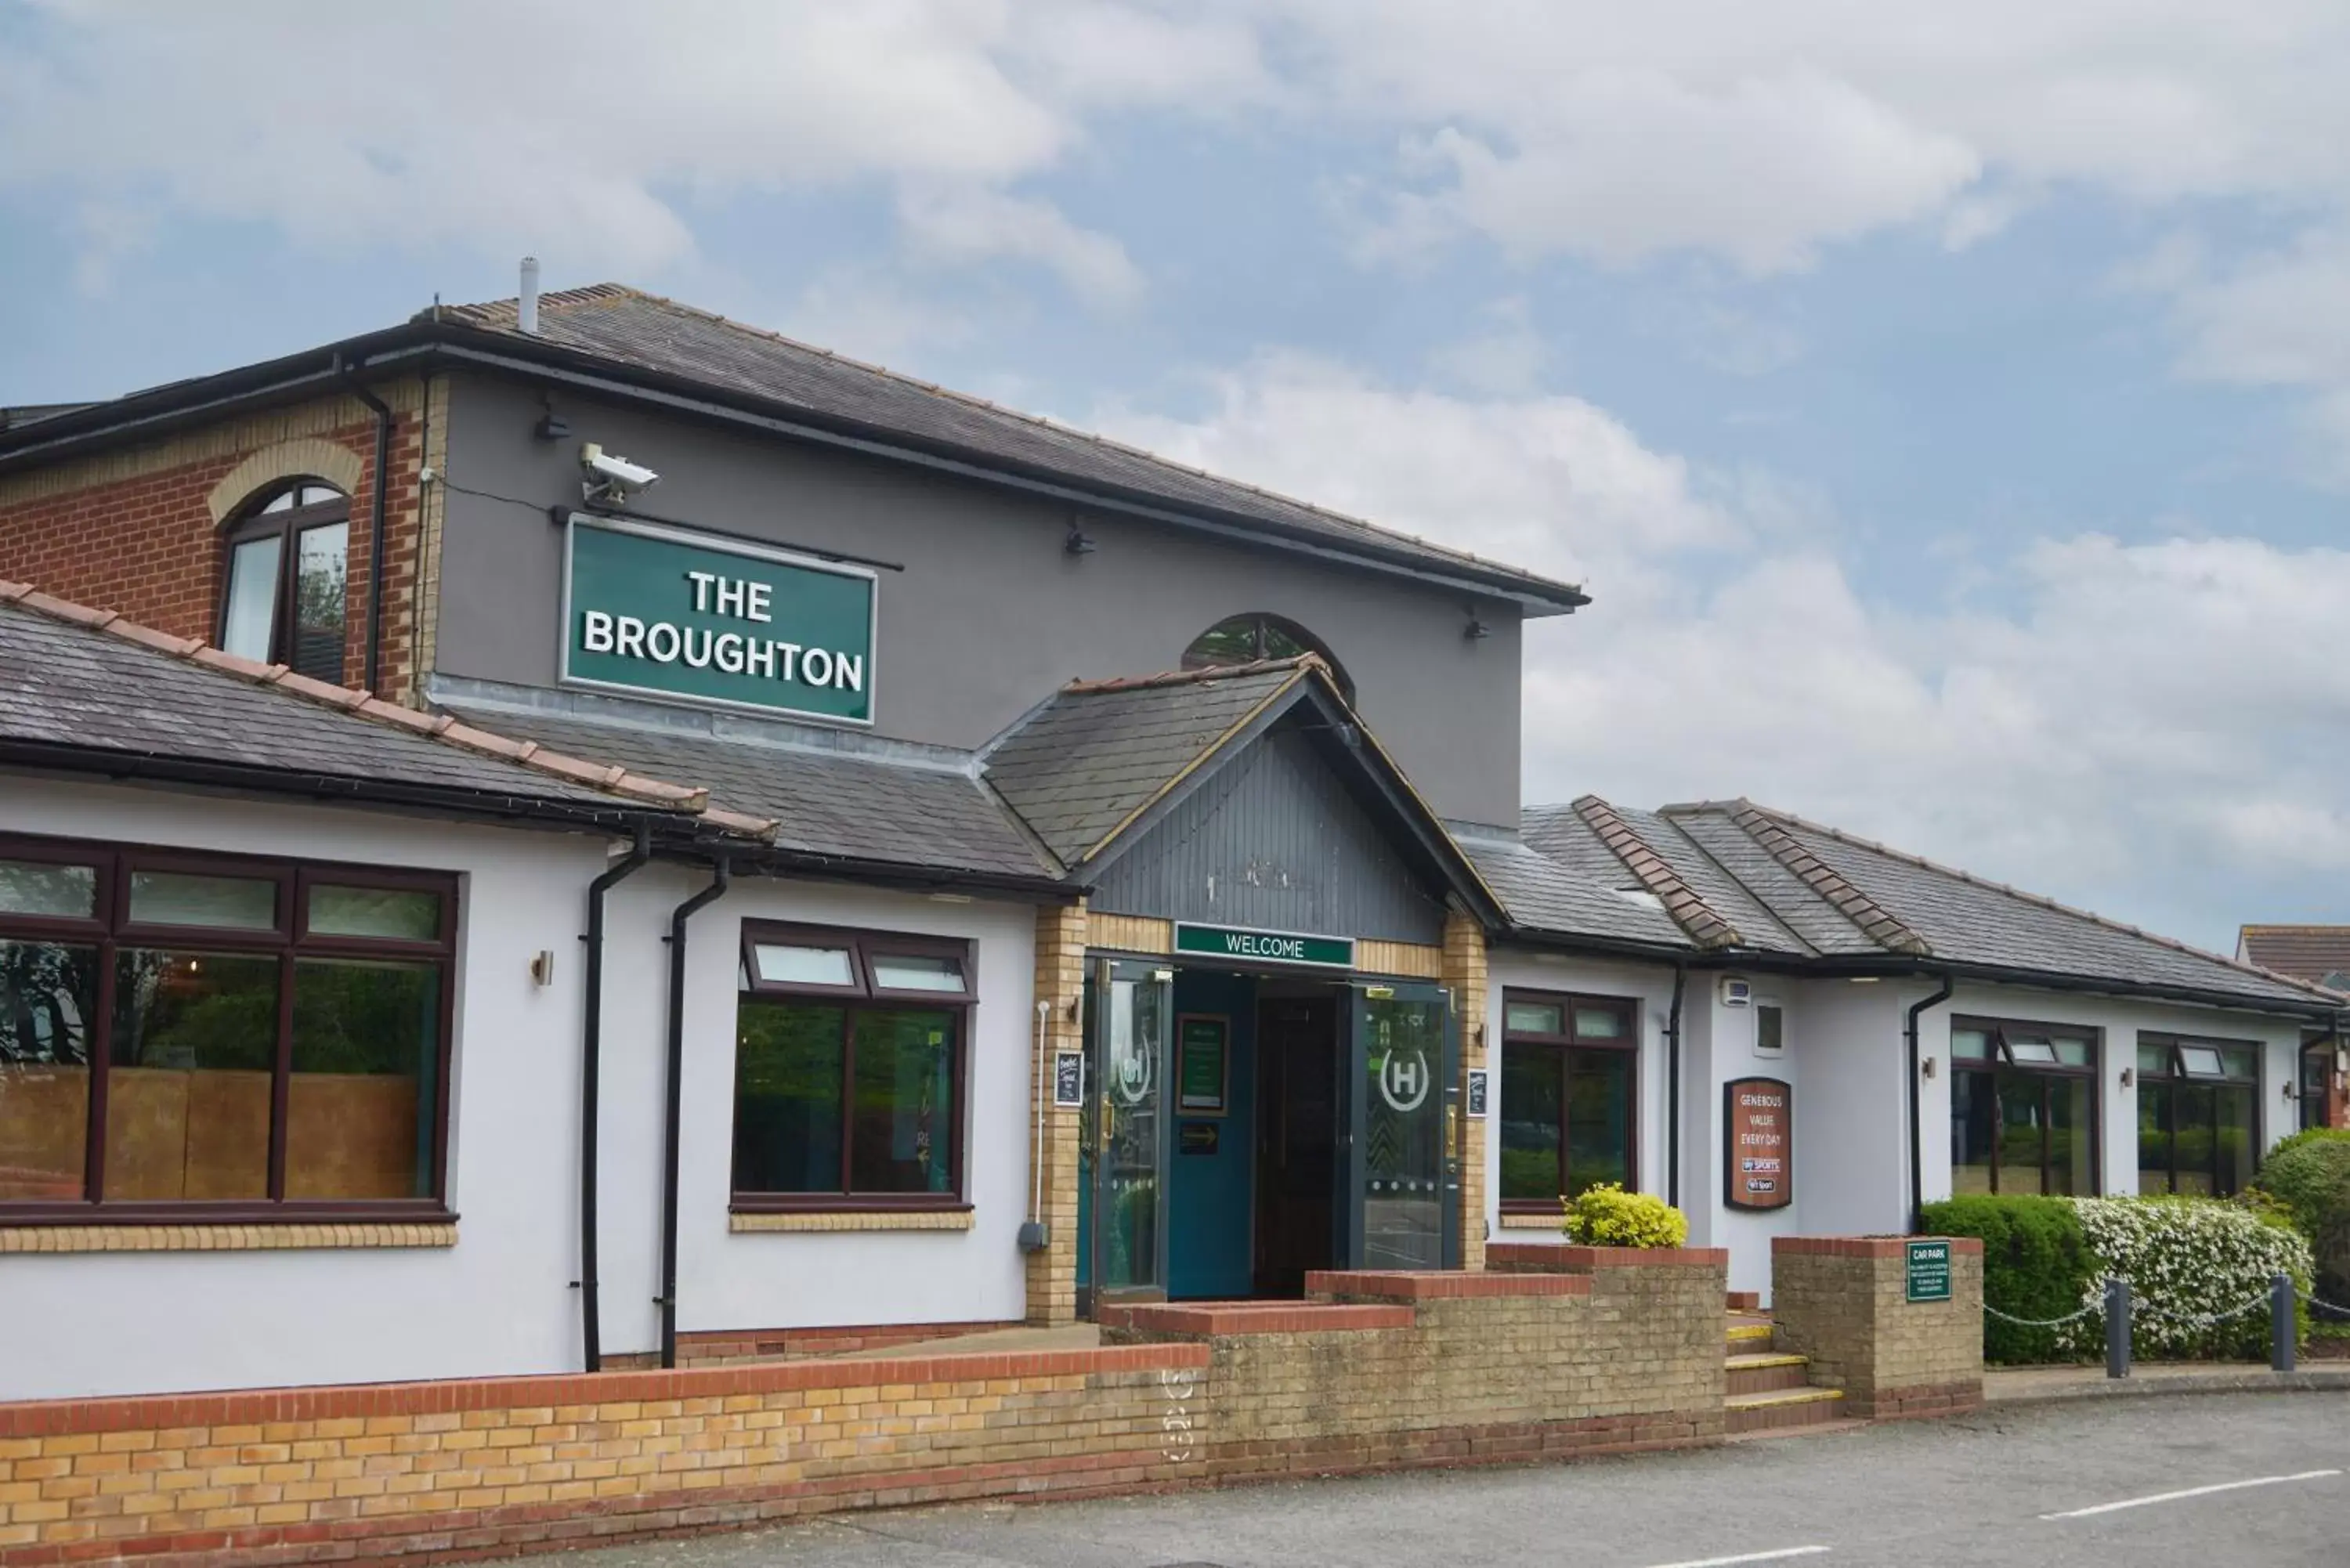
point(1133, 1009)
point(1404, 1162)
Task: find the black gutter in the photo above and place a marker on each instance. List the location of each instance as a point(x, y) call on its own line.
point(667, 1300)
point(1916, 1112)
point(1673, 1089)
point(377, 502)
point(591, 1073)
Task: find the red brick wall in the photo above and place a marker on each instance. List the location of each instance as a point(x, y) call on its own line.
point(131, 530)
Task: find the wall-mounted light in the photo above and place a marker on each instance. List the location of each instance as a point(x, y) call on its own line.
point(1476, 630)
point(1078, 543)
point(2129, 1076)
point(552, 426)
point(2291, 1090)
point(542, 967)
point(1925, 1068)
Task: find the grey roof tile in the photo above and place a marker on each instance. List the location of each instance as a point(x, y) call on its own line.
point(828, 804)
point(1812, 924)
point(2317, 953)
point(1545, 897)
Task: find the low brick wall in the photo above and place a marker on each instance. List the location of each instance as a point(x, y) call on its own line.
point(716, 1349)
point(1842, 1301)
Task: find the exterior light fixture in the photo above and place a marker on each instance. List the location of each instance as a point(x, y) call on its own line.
point(1078, 543)
point(1925, 1068)
point(1476, 630)
point(2129, 1076)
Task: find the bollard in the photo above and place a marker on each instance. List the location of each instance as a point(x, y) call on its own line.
point(2117, 1327)
point(2281, 1323)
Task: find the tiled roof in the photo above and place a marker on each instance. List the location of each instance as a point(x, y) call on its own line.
point(832, 804)
point(1098, 754)
point(2317, 953)
point(626, 326)
point(1841, 898)
point(87, 682)
point(1547, 897)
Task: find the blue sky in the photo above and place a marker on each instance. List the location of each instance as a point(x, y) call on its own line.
point(1951, 418)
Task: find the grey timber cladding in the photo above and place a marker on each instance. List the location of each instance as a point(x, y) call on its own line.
point(1090, 759)
point(1272, 839)
point(71, 686)
point(850, 807)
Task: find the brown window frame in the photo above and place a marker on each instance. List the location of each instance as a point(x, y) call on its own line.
point(864, 996)
point(1628, 1008)
point(2169, 1041)
point(1992, 1067)
point(251, 522)
point(290, 940)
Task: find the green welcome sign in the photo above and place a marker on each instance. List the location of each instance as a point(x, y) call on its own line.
point(1265, 947)
point(659, 610)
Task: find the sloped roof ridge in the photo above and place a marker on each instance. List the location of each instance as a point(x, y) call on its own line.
point(591, 293)
point(2307, 928)
point(1877, 923)
point(449, 731)
point(1207, 675)
point(1689, 912)
point(2041, 900)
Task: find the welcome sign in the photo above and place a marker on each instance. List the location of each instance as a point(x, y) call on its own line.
point(674, 614)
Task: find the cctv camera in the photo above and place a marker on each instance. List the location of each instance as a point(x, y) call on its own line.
point(612, 479)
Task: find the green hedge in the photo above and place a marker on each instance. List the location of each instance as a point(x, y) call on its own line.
point(2309, 1175)
point(2036, 1264)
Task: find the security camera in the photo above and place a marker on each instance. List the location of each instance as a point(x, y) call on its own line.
point(612, 479)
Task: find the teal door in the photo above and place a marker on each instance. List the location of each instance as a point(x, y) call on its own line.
point(1404, 1155)
point(1133, 1007)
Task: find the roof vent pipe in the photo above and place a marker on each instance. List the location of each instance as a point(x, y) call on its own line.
point(527, 308)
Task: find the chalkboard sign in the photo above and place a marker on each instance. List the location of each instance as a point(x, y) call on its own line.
point(1758, 1132)
point(1068, 1077)
point(1202, 1063)
point(1478, 1090)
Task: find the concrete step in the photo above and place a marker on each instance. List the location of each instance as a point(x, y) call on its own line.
point(1783, 1408)
point(1748, 1337)
point(1767, 1372)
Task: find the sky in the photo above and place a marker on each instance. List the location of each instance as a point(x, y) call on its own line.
point(1947, 408)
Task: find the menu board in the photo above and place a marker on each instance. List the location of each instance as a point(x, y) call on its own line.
point(1759, 1142)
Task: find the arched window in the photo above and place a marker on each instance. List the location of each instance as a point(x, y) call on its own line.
point(1246, 639)
point(287, 581)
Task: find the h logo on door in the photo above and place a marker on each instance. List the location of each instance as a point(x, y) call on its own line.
point(1403, 1084)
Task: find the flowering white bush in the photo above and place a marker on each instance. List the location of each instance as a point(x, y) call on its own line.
point(2185, 1261)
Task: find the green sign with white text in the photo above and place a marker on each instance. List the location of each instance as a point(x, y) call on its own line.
point(1265, 947)
point(1929, 1272)
point(674, 614)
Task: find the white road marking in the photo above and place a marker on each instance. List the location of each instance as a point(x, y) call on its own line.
point(2191, 1491)
point(1747, 1557)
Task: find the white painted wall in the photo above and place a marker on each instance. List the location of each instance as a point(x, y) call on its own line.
point(495, 1302)
point(781, 1280)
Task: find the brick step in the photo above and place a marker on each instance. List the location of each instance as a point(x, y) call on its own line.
point(1746, 1337)
point(1768, 1372)
point(1783, 1407)
point(1745, 1301)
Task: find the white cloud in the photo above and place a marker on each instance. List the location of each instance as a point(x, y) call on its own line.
point(2140, 726)
point(960, 225)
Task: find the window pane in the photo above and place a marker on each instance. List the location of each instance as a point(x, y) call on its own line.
point(2154, 1060)
point(319, 602)
point(44, 887)
point(1231, 642)
point(1972, 1103)
point(903, 972)
point(195, 1041)
point(804, 966)
point(1598, 1024)
point(1598, 1119)
point(1532, 1100)
point(1770, 1029)
point(2200, 1061)
point(2195, 1111)
point(787, 1063)
point(2020, 1129)
point(387, 912)
point(2238, 1138)
point(359, 1108)
point(2070, 1139)
point(2073, 1050)
point(2240, 1060)
point(284, 502)
point(225, 903)
point(48, 1000)
point(1970, 1045)
point(903, 1135)
point(1533, 1018)
point(2153, 1134)
point(317, 495)
point(252, 615)
point(2031, 1050)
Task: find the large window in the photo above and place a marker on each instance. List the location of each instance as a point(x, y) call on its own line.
point(2022, 1108)
point(2198, 1115)
point(849, 1069)
point(187, 1036)
point(287, 584)
point(1247, 638)
point(1570, 1071)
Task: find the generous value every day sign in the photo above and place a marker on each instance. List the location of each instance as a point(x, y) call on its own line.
point(659, 610)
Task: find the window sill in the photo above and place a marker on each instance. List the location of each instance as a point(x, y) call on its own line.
point(1549, 1221)
point(761, 1221)
point(198, 1236)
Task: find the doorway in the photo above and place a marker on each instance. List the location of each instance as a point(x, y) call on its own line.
point(1298, 1139)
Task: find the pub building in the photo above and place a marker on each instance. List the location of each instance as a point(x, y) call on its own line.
point(867, 866)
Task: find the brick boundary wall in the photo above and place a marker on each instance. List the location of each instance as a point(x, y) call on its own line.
point(1842, 1301)
point(730, 1346)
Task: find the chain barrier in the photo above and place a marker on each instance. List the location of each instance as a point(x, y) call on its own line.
point(2095, 1309)
point(2313, 1299)
point(2197, 1323)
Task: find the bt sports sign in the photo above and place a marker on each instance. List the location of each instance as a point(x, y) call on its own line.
point(663, 612)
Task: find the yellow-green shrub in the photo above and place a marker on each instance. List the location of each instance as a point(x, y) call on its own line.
point(1606, 1216)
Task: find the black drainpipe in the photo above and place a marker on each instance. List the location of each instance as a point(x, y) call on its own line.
point(683, 913)
point(591, 1073)
point(1673, 1088)
point(383, 490)
point(1916, 1112)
